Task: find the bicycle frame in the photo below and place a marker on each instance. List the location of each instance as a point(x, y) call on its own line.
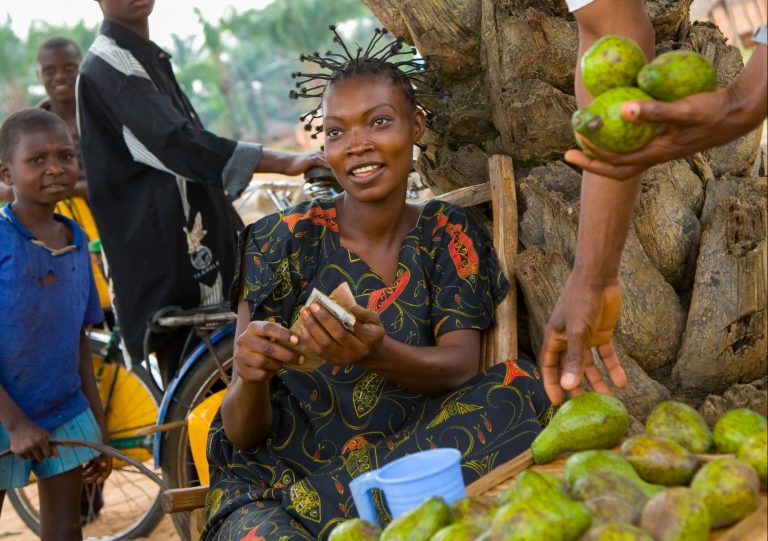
point(199, 351)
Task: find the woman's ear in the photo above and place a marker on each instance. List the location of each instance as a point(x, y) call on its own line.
point(419, 124)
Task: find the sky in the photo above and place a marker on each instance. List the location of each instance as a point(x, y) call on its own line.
point(169, 16)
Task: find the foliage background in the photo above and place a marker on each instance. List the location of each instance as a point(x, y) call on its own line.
point(236, 70)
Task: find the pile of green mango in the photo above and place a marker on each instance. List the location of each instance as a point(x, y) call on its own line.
point(660, 485)
point(614, 70)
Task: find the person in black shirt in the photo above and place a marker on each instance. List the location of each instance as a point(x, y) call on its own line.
point(158, 181)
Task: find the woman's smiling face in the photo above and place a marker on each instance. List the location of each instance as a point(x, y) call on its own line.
point(370, 128)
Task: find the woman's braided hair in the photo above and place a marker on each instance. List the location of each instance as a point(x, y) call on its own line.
point(412, 75)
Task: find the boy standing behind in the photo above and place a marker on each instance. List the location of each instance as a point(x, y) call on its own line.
point(47, 387)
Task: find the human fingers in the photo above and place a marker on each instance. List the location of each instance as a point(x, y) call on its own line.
point(604, 169)
point(593, 375)
point(684, 111)
point(365, 316)
point(612, 365)
point(317, 336)
point(573, 370)
point(551, 352)
point(268, 329)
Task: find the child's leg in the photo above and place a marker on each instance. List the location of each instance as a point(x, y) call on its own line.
point(60, 506)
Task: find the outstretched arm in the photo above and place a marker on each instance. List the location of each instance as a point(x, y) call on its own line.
point(695, 123)
point(586, 313)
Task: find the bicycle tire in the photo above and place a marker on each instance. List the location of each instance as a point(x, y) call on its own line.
point(107, 527)
point(176, 461)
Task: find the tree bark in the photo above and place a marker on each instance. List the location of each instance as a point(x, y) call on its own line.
point(725, 338)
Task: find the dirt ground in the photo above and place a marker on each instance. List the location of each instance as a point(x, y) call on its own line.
point(13, 529)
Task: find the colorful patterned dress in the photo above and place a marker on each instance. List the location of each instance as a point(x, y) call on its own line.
point(335, 423)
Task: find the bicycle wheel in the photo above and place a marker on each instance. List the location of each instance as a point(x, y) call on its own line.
point(176, 461)
point(128, 504)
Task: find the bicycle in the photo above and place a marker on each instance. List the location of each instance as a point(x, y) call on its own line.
point(130, 501)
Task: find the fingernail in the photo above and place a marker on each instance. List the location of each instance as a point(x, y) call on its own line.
point(301, 359)
point(315, 308)
point(294, 339)
point(569, 380)
point(631, 109)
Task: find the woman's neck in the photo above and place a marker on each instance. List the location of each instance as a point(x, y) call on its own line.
point(381, 223)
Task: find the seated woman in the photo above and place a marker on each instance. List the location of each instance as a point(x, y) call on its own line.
point(286, 443)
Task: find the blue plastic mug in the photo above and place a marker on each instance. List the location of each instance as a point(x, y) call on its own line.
point(408, 481)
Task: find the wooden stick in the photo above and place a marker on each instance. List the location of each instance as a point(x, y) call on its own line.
point(504, 200)
point(468, 196)
point(107, 450)
point(145, 431)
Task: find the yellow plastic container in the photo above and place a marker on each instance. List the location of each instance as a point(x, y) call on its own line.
point(198, 424)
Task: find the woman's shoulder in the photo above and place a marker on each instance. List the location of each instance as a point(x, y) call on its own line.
point(300, 217)
point(440, 215)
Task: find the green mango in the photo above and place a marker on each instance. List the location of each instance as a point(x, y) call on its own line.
point(735, 426)
point(474, 510)
point(729, 489)
point(659, 460)
point(617, 532)
point(602, 124)
point(588, 421)
point(681, 423)
point(355, 529)
point(612, 61)
point(528, 520)
point(420, 523)
point(610, 510)
point(458, 532)
point(591, 462)
point(608, 484)
point(529, 483)
point(754, 451)
point(677, 74)
point(677, 514)
point(546, 489)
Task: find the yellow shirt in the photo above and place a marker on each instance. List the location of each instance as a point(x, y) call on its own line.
point(78, 210)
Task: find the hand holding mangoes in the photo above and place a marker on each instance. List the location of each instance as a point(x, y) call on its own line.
point(614, 71)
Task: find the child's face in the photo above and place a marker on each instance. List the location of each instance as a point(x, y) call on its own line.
point(58, 72)
point(43, 167)
point(127, 11)
point(370, 129)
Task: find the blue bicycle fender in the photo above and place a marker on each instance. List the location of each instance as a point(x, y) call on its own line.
point(189, 362)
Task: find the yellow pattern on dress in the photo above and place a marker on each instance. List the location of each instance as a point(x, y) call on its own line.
point(367, 393)
point(306, 501)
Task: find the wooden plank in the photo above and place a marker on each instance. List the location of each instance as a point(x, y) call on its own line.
point(176, 500)
point(752, 528)
point(504, 201)
point(148, 430)
point(469, 196)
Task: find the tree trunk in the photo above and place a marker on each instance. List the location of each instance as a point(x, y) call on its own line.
point(693, 270)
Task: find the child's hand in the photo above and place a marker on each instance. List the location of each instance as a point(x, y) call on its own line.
point(30, 441)
point(96, 470)
point(259, 352)
point(327, 337)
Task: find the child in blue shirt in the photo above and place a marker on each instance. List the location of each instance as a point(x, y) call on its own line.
point(47, 385)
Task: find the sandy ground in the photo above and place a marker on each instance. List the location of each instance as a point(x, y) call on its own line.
point(13, 529)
